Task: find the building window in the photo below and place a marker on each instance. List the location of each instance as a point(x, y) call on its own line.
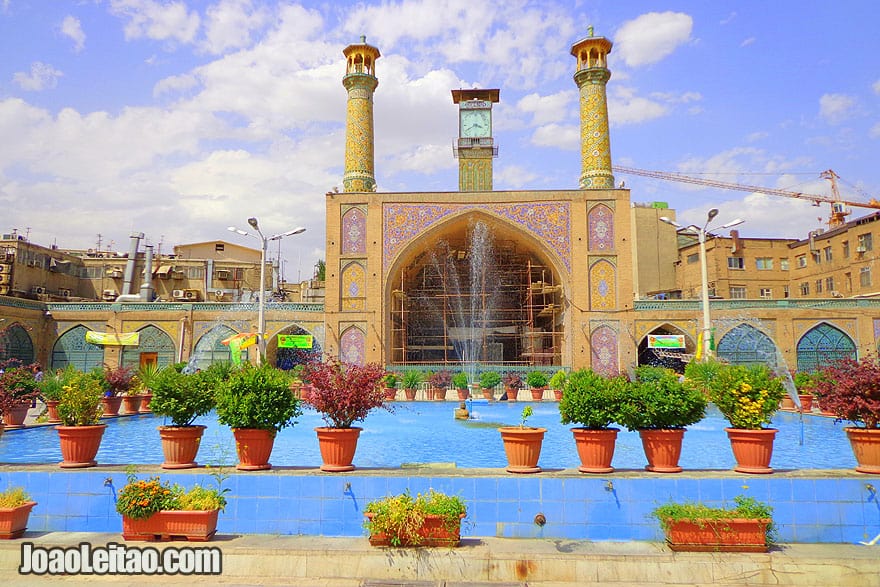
point(693, 258)
point(845, 249)
point(817, 257)
point(801, 260)
point(764, 263)
point(829, 284)
point(847, 281)
point(805, 289)
point(736, 263)
point(766, 293)
point(865, 276)
point(827, 251)
point(786, 292)
point(783, 264)
point(737, 293)
point(866, 243)
point(818, 286)
point(219, 247)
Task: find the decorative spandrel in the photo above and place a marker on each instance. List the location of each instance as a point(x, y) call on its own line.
point(603, 351)
point(354, 232)
point(352, 346)
point(603, 286)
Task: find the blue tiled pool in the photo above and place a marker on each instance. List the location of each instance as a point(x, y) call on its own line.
point(426, 432)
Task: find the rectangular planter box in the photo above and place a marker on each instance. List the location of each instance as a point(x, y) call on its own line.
point(434, 532)
point(195, 526)
point(13, 521)
point(730, 535)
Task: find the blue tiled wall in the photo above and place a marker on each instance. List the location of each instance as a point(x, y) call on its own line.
point(806, 509)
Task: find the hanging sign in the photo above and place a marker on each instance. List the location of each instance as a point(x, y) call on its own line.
point(112, 339)
point(665, 341)
point(295, 341)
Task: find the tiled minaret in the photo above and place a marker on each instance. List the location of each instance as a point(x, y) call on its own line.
point(360, 81)
point(591, 76)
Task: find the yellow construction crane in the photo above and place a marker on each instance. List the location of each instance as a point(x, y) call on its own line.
point(839, 209)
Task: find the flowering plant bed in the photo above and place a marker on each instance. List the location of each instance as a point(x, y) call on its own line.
point(426, 520)
point(164, 525)
point(15, 508)
point(695, 527)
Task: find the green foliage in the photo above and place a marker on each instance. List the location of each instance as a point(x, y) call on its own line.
point(747, 395)
point(591, 400)
point(52, 386)
point(527, 413)
point(657, 400)
point(140, 499)
point(145, 376)
point(412, 379)
point(460, 380)
point(746, 508)
point(699, 375)
point(401, 516)
point(391, 380)
point(80, 403)
point(13, 497)
point(183, 397)
point(200, 498)
point(536, 379)
point(489, 379)
point(557, 381)
point(257, 397)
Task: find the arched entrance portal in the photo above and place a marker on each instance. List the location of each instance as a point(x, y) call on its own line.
point(288, 357)
point(745, 344)
point(71, 348)
point(15, 343)
point(476, 291)
point(822, 345)
point(667, 357)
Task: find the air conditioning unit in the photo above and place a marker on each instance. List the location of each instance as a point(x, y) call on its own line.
point(223, 274)
point(178, 294)
point(38, 289)
point(5, 278)
point(109, 294)
point(178, 274)
point(64, 292)
point(861, 250)
point(115, 274)
point(191, 294)
point(836, 294)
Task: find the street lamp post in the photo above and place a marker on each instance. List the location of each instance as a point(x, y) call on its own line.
point(708, 351)
point(261, 299)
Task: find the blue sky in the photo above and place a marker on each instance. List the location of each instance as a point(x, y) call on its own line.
point(178, 119)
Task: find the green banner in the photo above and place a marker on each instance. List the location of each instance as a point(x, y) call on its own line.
point(665, 341)
point(295, 341)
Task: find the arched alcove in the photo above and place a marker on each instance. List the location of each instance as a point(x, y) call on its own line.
point(16, 343)
point(210, 348)
point(286, 358)
point(667, 357)
point(154, 347)
point(71, 348)
point(823, 345)
point(744, 344)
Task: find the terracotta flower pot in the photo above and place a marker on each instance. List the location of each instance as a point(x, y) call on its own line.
point(718, 535)
point(439, 395)
point(79, 445)
point(111, 405)
point(390, 394)
point(13, 521)
point(522, 447)
point(410, 394)
point(557, 395)
point(662, 449)
point(787, 403)
point(537, 393)
point(434, 531)
point(806, 402)
point(146, 398)
point(338, 446)
point(595, 448)
point(180, 444)
point(463, 394)
point(52, 411)
point(512, 393)
point(15, 416)
point(131, 404)
point(195, 526)
point(865, 444)
point(488, 394)
point(752, 449)
point(254, 447)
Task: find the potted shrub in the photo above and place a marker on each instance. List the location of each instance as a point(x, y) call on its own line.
point(439, 381)
point(593, 401)
point(537, 382)
point(51, 388)
point(803, 382)
point(696, 527)
point(411, 381)
point(488, 381)
point(460, 383)
point(15, 507)
point(79, 409)
point(748, 396)
point(522, 445)
point(153, 510)
point(182, 398)
point(344, 393)
point(850, 390)
point(18, 390)
point(512, 383)
point(659, 407)
point(145, 375)
point(257, 403)
point(390, 382)
point(426, 520)
point(115, 381)
point(557, 384)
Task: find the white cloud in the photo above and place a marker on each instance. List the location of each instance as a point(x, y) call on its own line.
point(624, 107)
point(765, 216)
point(835, 108)
point(875, 131)
point(748, 41)
point(160, 21)
point(229, 24)
point(652, 37)
point(567, 137)
point(757, 136)
point(71, 28)
point(41, 77)
point(551, 108)
point(513, 177)
point(876, 87)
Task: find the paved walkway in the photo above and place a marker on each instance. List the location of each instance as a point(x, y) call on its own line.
point(350, 562)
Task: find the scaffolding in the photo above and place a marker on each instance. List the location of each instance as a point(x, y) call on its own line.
point(508, 312)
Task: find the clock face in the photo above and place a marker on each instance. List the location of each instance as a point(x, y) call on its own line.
point(475, 123)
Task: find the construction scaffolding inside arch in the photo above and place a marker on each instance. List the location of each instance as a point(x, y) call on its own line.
point(476, 294)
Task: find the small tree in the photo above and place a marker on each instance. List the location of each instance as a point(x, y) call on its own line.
point(345, 393)
point(851, 391)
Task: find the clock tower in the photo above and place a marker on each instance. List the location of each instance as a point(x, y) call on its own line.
point(475, 147)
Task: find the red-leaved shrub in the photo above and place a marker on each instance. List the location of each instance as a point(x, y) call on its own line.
point(850, 390)
point(344, 392)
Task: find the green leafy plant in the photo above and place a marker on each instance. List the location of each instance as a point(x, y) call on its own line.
point(391, 381)
point(80, 403)
point(412, 379)
point(460, 380)
point(140, 499)
point(747, 395)
point(657, 400)
point(746, 508)
point(401, 517)
point(489, 379)
point(592, 400)
point(257, 397)
point(699, 375)
point(145, 375)
point(13, 497)
point(52, 386)
point(527, 413)
point(182, 397)
point(536, 379)
point(557, 381)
